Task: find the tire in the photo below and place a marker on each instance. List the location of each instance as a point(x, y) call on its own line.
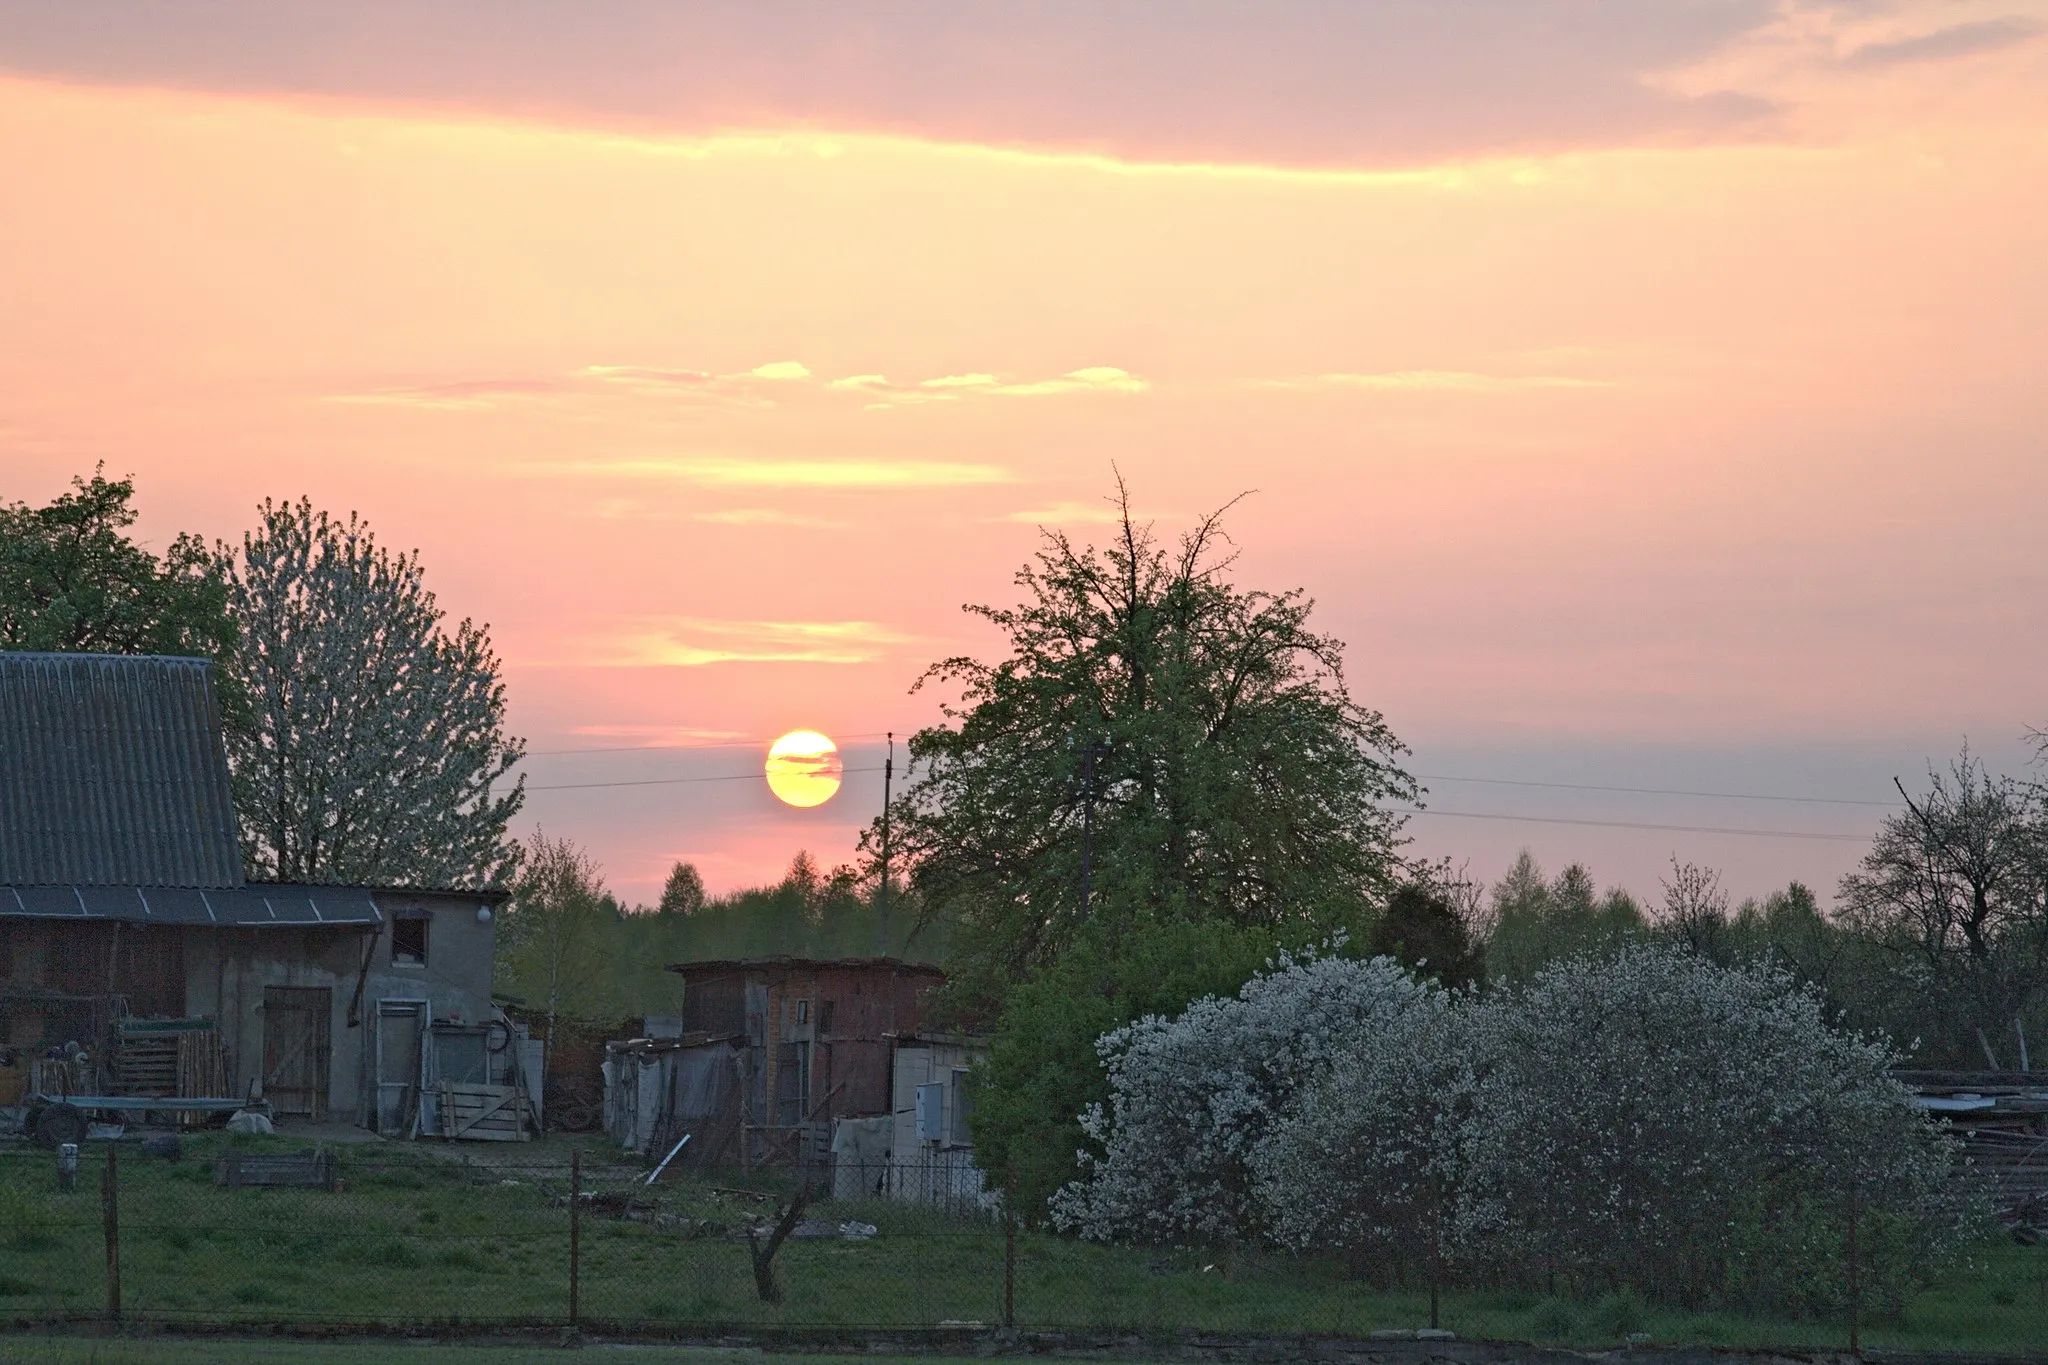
point(59, 1124)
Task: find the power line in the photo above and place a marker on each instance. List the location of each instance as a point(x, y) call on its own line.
point(1640, 824)
point(1455, 814)
point(1660, 791)
point(679, 748)
point(671, 781)
point(1425, 777)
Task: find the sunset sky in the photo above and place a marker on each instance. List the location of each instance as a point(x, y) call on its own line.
point(1650, 392)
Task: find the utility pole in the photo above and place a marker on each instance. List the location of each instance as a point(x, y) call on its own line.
point(882, 896)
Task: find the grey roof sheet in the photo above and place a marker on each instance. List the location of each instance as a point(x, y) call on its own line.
point(113, 773)
point(241, 907)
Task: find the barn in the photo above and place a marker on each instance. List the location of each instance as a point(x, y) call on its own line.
point(137, 962)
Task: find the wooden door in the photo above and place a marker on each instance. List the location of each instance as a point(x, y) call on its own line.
point(295, 1048)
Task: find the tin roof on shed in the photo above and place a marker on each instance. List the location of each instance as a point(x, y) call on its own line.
point(112, 773)
point(238, 907)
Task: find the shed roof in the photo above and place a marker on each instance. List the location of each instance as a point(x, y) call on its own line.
point(727, 966)
point(113, 773)
point(241, 907)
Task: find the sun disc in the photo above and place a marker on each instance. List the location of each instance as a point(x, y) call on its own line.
point(804, 768)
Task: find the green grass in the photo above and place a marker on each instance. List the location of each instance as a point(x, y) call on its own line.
point(48, 1350)
point(415, 1237)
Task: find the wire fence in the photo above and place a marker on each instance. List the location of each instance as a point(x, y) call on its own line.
point(275, 1232)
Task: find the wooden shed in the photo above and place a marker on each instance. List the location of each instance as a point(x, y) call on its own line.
point(815, 1041)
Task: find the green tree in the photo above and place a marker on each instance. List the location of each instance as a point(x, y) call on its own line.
point(72, 582)
point(1232, 779)
point(1423, 931)
point(683, 893)
point(554, 942)
point(1163, 782)
point(1043, 1069)
point(1954, 891)
point(374, 736)
point(1536, 922)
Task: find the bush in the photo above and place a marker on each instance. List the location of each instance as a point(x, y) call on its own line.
point(1702, 1134)
point(1369, 1159)
point(1640, 1125)
point(1193, 1098)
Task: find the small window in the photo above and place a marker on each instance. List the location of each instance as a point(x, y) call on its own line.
point(409, 941)
point(803, 1011)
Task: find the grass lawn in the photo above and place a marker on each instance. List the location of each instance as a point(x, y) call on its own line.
point(418, 1237)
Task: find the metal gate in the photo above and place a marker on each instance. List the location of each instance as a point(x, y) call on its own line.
point(295, 1048)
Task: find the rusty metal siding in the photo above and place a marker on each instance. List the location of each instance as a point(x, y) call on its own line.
point(112, 772)
point(857, 1007)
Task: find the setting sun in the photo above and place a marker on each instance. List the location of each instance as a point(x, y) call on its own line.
point(804, 768)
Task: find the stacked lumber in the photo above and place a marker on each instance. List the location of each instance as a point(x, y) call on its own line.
point(147, 1064)
point(202, 1073)
point(2002, 1119)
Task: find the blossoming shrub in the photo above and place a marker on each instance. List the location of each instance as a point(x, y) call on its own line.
point(1193, 1097)
point(1646, 1122)
point(1370, 1158)
point(1701, 1134)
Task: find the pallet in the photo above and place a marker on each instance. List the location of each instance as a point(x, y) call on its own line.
point(308, 1170)
point(483, 1113)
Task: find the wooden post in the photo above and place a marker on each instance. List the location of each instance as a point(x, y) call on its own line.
point(575, 1234)
point(1009, 1269)
point(110, 1203)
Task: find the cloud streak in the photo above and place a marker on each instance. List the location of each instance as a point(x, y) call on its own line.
point(469, 395)
point(697, 642)
point(1957, 40)
point(730, 472)
point(1395, 82)
point(767, 516)
point(952, 387)
point(1438, 381)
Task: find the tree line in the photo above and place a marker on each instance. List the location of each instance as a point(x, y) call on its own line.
point(1156, 788)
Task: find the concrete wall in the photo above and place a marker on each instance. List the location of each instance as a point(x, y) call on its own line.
point(227, 971)
point(919, 1062)
point(933, 1172)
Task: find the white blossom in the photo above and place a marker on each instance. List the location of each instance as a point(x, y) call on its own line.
point(1647, 1119)
point(1193, 1097)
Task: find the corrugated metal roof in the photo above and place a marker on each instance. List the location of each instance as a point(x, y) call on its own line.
point(241, 907)
point(112, 773)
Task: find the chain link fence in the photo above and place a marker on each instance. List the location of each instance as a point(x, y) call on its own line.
point(270, 1231)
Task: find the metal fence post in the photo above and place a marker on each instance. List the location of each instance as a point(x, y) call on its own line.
point(110, 1204)
point(1009, 1270)
point(1855, 1284)
point(575, 1234)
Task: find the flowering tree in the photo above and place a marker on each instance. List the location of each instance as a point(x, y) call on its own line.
point(374, 736)
point(1645, 1120)
point(1699, 1133)
point(1371, 1158)
point(1192, 1098)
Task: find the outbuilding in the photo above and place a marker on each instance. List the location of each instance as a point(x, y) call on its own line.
point(137, 962)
